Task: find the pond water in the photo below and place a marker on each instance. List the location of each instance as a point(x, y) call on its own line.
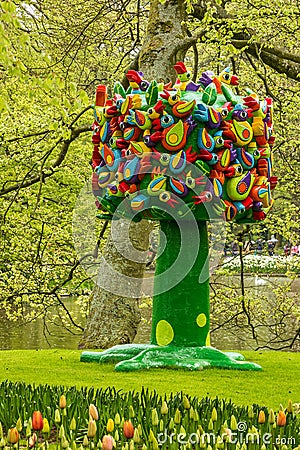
point(32, 335)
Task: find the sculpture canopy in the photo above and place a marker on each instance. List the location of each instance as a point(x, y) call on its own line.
point(184, 155)
point(157, 147)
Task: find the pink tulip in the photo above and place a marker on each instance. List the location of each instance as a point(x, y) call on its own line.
point(107, 442)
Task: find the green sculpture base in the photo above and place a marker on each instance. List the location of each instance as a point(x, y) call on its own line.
point(180, 315)
point(145, 356)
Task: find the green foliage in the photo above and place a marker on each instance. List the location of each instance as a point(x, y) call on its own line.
point(52, 56)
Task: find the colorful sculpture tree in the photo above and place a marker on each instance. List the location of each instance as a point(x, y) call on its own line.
point(183, 155)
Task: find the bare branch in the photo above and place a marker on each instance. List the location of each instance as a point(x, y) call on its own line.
point(48, 171)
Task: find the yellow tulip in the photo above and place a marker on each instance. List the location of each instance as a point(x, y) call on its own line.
point(271, 416)
point(85, 441)
point(155, 444)
point(28, 428)
point(161, 425)
point(46, 427)
point(73, 424)
point(117, 436)
point(164, 408)
point(131, 412)
point(191, 413)
point(110, 425)
point(92, 429)
point(289, 406)
point(64, 443)
point(250, 412)
point(136, 436)
point(186, 403)
point(151, 436)
point(57, 416)
point(171, 424)
point(117, 419)
point(177, 417)
point(61, 433)
point(233, 423)
point(154, 417)
point(19, 425)
point(214, 415)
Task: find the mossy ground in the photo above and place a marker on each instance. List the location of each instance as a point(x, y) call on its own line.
point(278, 381)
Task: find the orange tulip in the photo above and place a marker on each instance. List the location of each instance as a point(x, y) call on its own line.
point(281, 419)
point(37, 421)
point(62, 401)
point(12, 435)
point(261, 417)
point(107, 442)
point(128, 429)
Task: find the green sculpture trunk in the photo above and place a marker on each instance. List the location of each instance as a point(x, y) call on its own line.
point(181, 314)
point(180, 317)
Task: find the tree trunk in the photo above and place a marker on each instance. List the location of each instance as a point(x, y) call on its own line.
point(164, 43)
point(114, 319)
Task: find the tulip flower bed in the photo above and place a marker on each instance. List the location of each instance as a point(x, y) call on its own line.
point(263, 264)
point(70, 418)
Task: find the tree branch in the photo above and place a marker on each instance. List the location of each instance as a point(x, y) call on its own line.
point(271, 58)
point(276, 51)
point(48, 171)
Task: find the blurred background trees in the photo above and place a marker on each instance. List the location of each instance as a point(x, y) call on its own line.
point(54, 53)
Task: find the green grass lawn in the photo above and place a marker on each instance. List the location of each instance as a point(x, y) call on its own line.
point(278, 381)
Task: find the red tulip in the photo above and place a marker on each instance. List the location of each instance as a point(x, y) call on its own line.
point(37, 421)
point(128, 429)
